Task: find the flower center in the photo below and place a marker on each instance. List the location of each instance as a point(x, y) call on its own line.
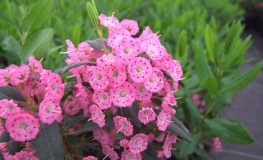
point(23, 126)
point(123, 94)
point(152, 80)
point(103, 97)
point(142, 89)
point(99, 77)
point(126, 50)
point(115, 73)
point(139, 69)
point(48, 109)
point(9, 106)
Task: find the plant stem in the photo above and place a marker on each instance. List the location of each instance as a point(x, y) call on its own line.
point(210, 105)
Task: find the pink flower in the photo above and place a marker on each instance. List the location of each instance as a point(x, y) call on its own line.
point(71, 106)
point(130, 25)
point(49, 111)
point(138, 143)
point(141, 93)
point(164, 119)
point(117, 76)
point(112, 137)
point(217, 145)
point(146, 115)
point(109, 152)
point(124, 143)
point(90, 158)
point(140, 69)
point(8, 108)
point(97, 116)
point(55, 87)
point(128, 155)
point(154, 50)
point(167, 147)
point(2, 129)
point(4, 78)
point(170, 138)
point(22, 127)
point(101, 135)
point(20, 75)
point(23, 155)
point(123, 125)
point(160, 138)
point(35, 65)
point(97, 78)
point(3, 147)
point(123, 96)
point(177, 71)
point(109, 22)
point(155, 82)
point(102, 99)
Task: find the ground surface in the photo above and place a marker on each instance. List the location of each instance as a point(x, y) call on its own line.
point(247, 107)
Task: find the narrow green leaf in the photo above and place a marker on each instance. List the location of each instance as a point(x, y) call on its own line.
point(185, 147)
point(210, 84)
point(131, 113)
point(37, 45)
point(243, 80)
point(182, 132)
point(201, 152)
point(10, 45)
point(203, 70)
point(210, 42)
point(76, 34)
point(6, 19)
point(38, 15)
point(49, 142)
point(10, 93)
point(182, 48)
point(229, 130)
point(73, 65)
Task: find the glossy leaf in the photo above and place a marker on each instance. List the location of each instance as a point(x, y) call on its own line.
point(91, 126)
point(182, 48)
point(75, 120)
point(73, 65)
point(10, 45)
point(185, 148)
point(131, 113)
point(243, 80)
point(210, 84)
point(229, 130)
point(10, 93)
point(38, 15)
point(203, 70)
point(8, 20)
point(210, 42)
point(178, 128)
point(38, 44)
point(96, 44)
point(49, 142)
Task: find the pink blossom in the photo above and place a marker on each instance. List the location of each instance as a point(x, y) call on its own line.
point(117, 76)
point(8, 108)
point(123, 125)
point(23, 155)
point(156, 81)
point(4, 78)
point(90, 158)
point(20, 75)
point(160, 138)
point(101, 135)
point(130, 25)
point(167, 147)
point(109, 22)
point(112, 137)
point(163, 119)
point(154, 50)
point(3, 147)
point(97, 116)
point(55, 88)
point(49, 111)
point(138, 143)
point(128, 155)
point(141, 93)
point(217, 145)
point(109, 152)
point(22, 127)
point(71, 106)
point(146, 115)
point(124, 143)
point(102, 99)
point(140, 69)
point(35, 65)
point(123, 96)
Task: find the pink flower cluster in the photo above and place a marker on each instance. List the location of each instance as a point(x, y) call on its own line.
point(199, 102)
point(217, 145)
point(42, 91)
point(131, 72)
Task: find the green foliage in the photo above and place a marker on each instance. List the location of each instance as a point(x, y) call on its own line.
point(229, 130)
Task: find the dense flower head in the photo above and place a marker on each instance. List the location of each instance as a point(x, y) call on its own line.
point(146, 115)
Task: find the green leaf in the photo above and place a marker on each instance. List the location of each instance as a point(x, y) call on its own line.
point(229, 130)
point(96, 44)
point(75, 120)
point(182, 48)
point(37, 45)
point(91, 126)
point(6, 19)
point(201, 153)
point(10, 45)
point(38, 15)
point(76, 33)
point(72, 65)
point(185, 148)
point(232, 38)
point(220, 102)
point(210, 84)
point(131, 112)
point(210, 42)
point(243, 80)
point(49, 143)
point(178, 128)
point(203, 70)
point(11, 93)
